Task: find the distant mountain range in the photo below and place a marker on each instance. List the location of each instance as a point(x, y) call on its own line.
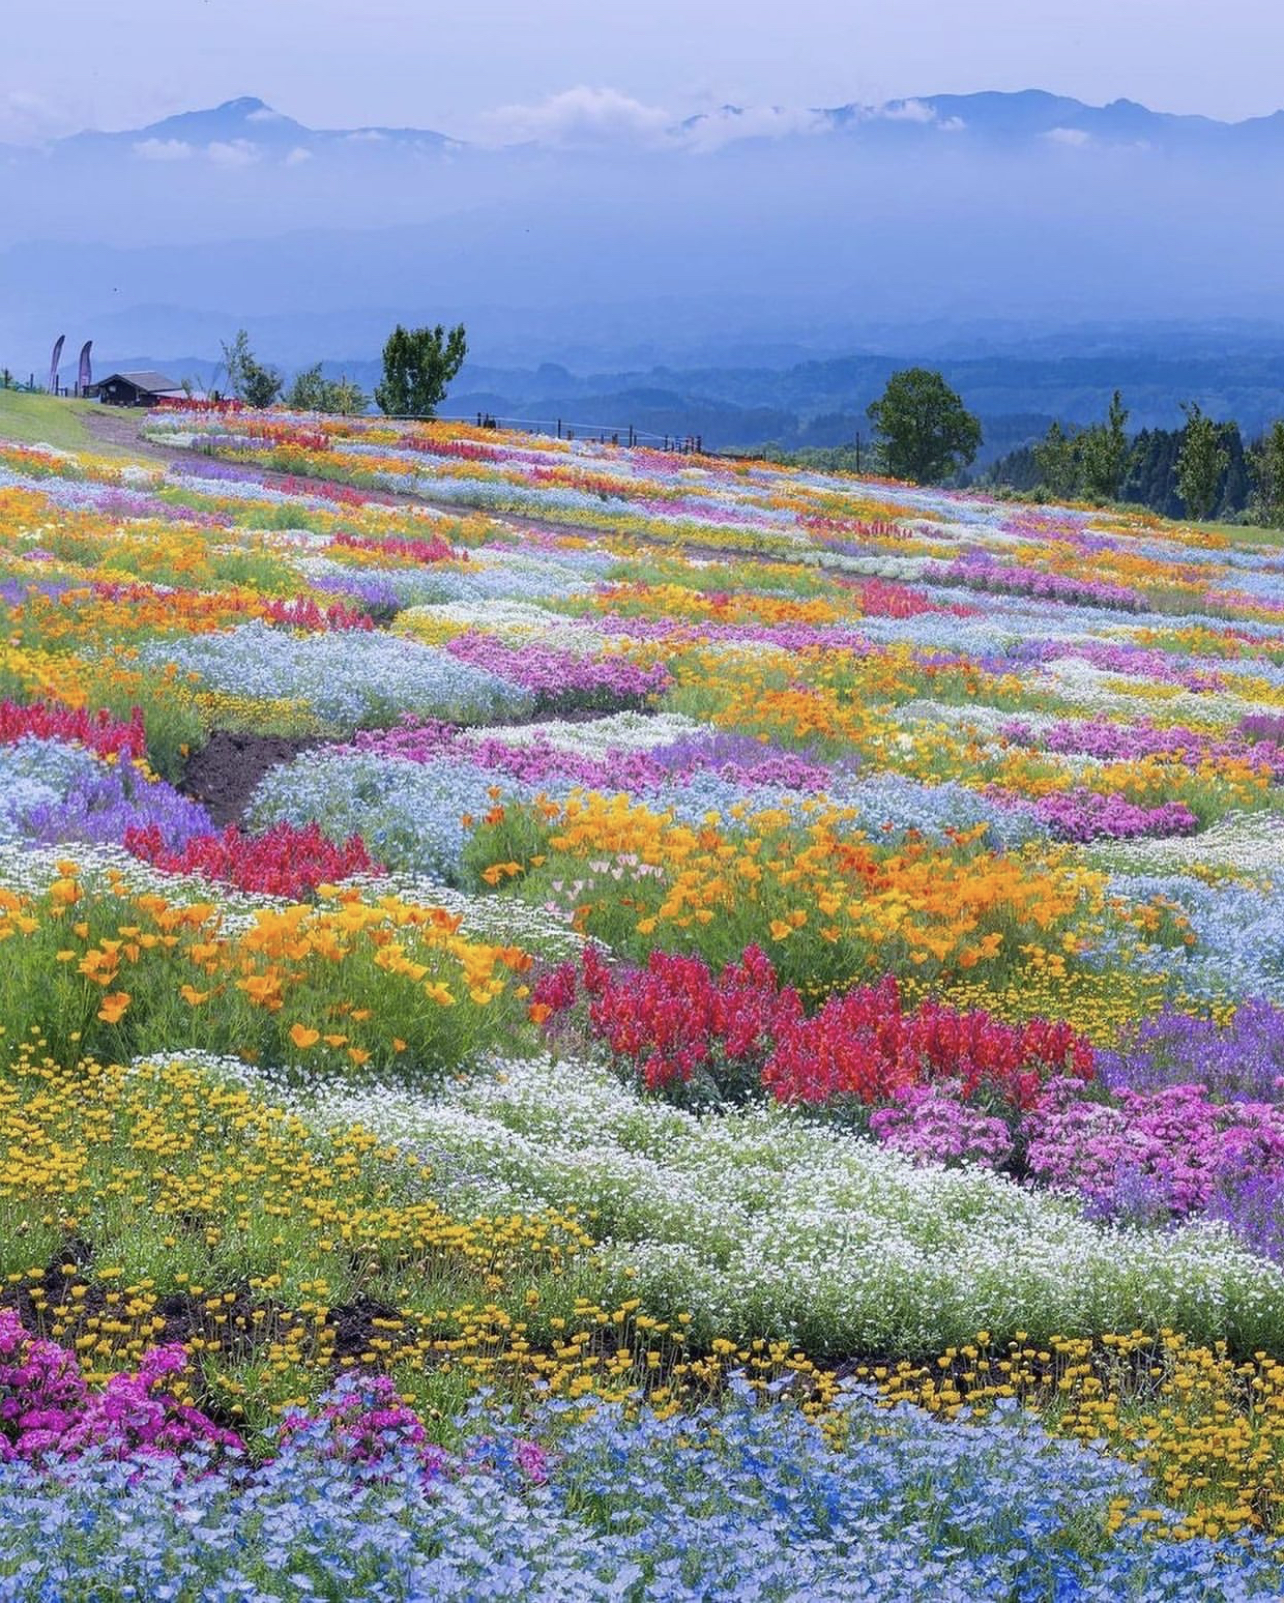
point(247, 130)
point(249, 125)
point(742, 237)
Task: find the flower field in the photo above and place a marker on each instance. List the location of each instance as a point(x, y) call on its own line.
point(586, 1023)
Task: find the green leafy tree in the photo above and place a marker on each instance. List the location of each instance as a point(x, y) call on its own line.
point(307, 392)
point(925, 432)
point(1202, 461)
point(1103, 453)
point(347, 396)
point(249, 380)
point(261, 385)
point(1266, 467)
point(418, 365)
point(312, 392)
point(236, 353)
point(1057, 459)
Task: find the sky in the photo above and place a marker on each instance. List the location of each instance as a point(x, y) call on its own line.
point(488, 67)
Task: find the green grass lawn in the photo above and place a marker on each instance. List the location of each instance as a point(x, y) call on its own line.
point(1244, 533)
point(50, 420)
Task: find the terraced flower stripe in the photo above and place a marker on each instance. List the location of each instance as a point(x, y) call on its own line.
point(573, 1018)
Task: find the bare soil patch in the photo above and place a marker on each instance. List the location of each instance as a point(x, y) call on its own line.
point(223, 775)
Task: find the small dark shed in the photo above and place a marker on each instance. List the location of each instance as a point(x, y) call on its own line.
point(135, 389)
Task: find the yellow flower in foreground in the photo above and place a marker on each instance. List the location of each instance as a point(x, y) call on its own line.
point(192, 996)
point(304, 1037)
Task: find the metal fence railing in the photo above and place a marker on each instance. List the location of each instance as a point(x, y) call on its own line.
point(569, 429)
point(626, 434)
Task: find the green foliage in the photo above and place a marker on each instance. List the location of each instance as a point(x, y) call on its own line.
point(1057, 459)
point(1058, 468)
point(312, 392)
point(262, 385)
point(248, 379)
point(1266, 468)
point(926, 432)
point(1102, 453)
point(418, 365)
point(1202, 461)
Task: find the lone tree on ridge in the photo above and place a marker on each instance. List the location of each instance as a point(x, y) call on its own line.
point(925, 431)
point(418, 364)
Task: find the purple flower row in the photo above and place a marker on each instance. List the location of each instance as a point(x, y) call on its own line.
point(557, 676)
point(1085, 815)
point(979, 572)
point(1116, 742)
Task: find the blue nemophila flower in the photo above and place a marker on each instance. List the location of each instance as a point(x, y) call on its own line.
point(745, 1501)
point(347, 680)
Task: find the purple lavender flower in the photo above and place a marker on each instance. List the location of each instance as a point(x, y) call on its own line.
point(1241, 1062)
point(559, 678)
point(742, 760)
point(103, 807)
point(1084, 815)
point(1254, 1210)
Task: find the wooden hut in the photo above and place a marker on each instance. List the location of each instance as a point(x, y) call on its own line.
point(135, 389)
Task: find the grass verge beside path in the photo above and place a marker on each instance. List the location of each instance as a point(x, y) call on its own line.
point(51, 420)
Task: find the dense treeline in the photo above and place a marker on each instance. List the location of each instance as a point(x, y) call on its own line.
point(1205, 469)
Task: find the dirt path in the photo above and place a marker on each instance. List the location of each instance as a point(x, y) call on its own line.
point(121, 427)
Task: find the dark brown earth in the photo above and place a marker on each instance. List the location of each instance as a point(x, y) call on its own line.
point(229, 1317)
point(223, 774)
point(119, 426)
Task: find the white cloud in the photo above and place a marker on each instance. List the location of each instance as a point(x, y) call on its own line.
point(1075, 137)
point(265, 114)
point(907, 111)
point(162, 149)
point(585, 118)
point(912, 111)
point(729, 124)
point(298, 156)
point(577, 118)
point(365, 136)
point(30, 119)
point(232, 152)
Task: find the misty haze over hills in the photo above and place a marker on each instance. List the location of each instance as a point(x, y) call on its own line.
point(602, 237)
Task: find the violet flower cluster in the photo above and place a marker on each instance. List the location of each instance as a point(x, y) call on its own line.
point(46, 1407)
point(562, 678)
point(1085, 815)
point(981, 572)
point(932, 1123)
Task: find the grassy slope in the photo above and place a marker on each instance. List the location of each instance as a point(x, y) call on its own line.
point(49, 420)
point(1245, 533)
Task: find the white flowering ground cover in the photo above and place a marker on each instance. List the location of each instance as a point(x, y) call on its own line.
point(760, 1223)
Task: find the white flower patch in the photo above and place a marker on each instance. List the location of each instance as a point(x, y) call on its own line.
point(1100, 690)
point(764, 1223)
point(632, 731)
point(30, 870)
point(1241, 843)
